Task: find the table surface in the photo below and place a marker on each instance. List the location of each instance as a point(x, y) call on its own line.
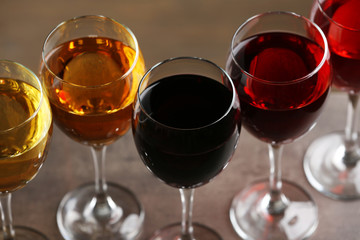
point(164, 29)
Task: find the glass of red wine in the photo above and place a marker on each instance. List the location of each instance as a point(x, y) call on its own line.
point(186, 125)
point(331, 161)
point(279, 63)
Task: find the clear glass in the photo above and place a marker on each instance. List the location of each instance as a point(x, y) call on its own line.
point(169, 152)
point(331, 161)
point(25, 133)
point(275, 208)
point(91, 68)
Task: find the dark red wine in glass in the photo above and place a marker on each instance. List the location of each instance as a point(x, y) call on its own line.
point(192, 157)
point(186, 125)
point(334, 156)
point(279, 63)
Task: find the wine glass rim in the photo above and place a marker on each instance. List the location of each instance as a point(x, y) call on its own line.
point(40, 88)
point(335, 22)
point(126, 74)
point(144, 79)
point(307, 76)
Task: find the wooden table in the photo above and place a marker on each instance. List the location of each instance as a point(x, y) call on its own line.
point(164, 29)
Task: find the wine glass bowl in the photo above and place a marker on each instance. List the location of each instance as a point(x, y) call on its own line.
point(338, 21)
point(91, 68)
point(91, 76)
point(279, 62)
point(25, 133)
point(331, 161)
point(186, 125)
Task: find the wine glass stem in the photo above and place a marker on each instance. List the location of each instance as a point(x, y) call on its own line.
point(102, 207)
point(98, 153)
point(351, 134)
point(275, 201)
point(6, 216)
point(187, 199)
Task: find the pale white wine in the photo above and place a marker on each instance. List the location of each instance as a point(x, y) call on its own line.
point(25, 131)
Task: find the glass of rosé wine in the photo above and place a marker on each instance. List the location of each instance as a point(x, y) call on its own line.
point(279, 62)
point(331, 162)
point(25, 133)
point(91, 68)
point(186, 125)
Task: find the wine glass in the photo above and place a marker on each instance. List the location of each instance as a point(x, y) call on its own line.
point(91, 67)
point(331, 161)
point(25, 133)
point(186, 125)
point(279, 63)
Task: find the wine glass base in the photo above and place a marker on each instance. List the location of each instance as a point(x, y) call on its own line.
point(26, 233)
point(252, 221)
point(77, 219)
point(173, 232)
point(326, 171)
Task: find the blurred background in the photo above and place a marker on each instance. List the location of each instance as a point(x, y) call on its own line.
point(164, 29)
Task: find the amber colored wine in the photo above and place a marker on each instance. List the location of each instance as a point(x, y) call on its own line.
point(340, 21)
point(23, 140)
point(92, 102)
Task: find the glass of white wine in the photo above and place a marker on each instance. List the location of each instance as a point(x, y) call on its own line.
point(25, 133)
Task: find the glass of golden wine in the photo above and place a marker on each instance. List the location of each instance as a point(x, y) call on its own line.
point(25, 133)
point(91, 68)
